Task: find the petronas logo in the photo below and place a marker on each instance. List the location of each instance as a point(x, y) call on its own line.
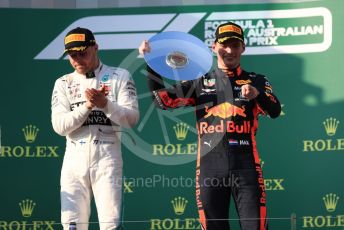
point(330, 201)
point(331, 125)
point(26, 207)
point(181, 129)
point(179, 205)
point(30, 133)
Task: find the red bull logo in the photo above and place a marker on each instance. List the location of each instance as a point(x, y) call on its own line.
point(198, 190)
point(225, 110)
point(261, 185)
point(224, 126)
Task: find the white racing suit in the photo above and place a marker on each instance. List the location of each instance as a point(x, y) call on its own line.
point(92, 163)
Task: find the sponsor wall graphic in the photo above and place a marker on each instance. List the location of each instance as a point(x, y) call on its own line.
point(326, 220)
point(30, 150)
point(331, 143)
point(26, 219)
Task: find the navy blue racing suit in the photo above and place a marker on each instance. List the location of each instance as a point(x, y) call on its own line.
point(228, 163)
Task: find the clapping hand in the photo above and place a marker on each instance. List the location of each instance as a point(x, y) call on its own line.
point(96, 97)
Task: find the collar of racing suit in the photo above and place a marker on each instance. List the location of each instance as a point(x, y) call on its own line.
point(235, 72)
point(93, 73)
point(99, 68)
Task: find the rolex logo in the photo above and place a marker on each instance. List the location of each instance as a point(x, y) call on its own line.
point(330, 201)
point(261, 162)
point(30, 133)
point(181, 130)
point(179, 205)
point(331, 125)
point(26, 207)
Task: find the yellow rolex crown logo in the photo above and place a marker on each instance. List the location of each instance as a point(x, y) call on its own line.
point(330, 201)
point(26, 207)
point(181, 130)
point(179, 205)
point(30, 133)
point(331, 125)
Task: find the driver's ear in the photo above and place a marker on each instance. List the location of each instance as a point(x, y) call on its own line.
point(213, 46)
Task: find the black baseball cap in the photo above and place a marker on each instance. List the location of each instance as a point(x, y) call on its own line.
point(78, 39)
point(227, 31)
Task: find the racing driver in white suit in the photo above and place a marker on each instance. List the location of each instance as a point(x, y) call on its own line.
point(89, 107)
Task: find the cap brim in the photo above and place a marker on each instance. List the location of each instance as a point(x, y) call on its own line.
point(223, 39)
point(79, 48)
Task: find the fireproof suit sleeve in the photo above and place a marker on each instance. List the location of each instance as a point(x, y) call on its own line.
point(124, 111)
point(63, 119)
point(179, 95)
point(266, 99)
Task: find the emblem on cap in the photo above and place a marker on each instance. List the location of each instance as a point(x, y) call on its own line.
point(75, 38)
point(177, 60)
point(230, 28)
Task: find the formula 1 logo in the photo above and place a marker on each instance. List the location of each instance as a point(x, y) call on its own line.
point(123, 31)
point(266, 32)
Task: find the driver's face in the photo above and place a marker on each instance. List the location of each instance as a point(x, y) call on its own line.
point(229, 53)
point(84, 61)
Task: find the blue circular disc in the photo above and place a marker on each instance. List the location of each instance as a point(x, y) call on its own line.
point(178, 56)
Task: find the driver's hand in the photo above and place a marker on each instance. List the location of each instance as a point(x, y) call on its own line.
point(144, 47)
point(249, 92)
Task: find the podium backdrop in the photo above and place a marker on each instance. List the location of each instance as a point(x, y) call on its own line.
point(299, 46)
